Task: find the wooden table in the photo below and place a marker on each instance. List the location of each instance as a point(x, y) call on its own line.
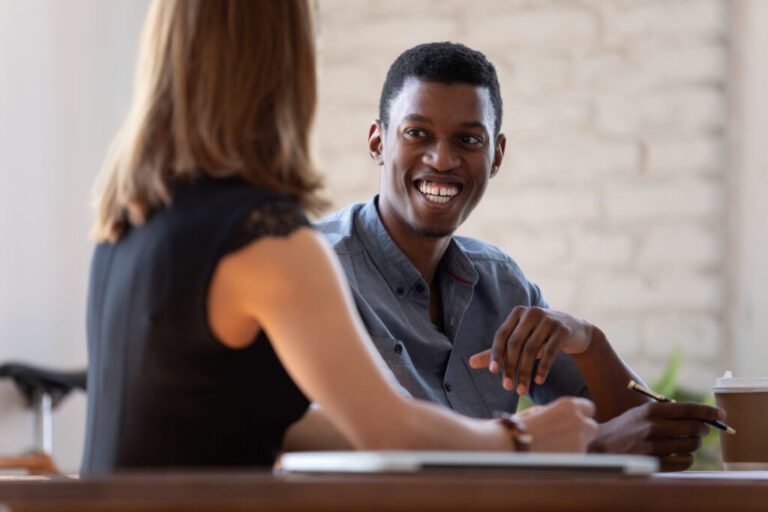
point(452, 491)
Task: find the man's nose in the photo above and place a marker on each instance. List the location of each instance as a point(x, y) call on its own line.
point(441, 156)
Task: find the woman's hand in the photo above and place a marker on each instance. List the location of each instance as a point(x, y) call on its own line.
point(565, 425)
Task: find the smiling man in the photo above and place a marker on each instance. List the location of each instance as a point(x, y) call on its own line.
point(455, 318)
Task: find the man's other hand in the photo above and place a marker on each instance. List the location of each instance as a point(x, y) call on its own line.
point(670, 431)
point(528, 334)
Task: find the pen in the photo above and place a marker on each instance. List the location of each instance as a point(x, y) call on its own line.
point(661, 398)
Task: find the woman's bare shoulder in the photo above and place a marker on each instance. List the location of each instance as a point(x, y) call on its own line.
point(278, 264)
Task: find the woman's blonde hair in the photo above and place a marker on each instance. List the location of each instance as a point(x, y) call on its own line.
point(223, 88)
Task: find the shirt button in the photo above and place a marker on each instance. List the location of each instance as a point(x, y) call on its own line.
point(420, 288)
point(398, 348)
point(400, 290)
point(448, 387)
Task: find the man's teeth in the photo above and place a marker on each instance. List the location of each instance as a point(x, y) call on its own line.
point(437, 193)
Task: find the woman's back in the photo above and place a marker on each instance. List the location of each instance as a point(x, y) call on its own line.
point(168, 392)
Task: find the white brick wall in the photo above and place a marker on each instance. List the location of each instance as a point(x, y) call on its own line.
point(611, 193)
point(680, 155)
point(659, 201)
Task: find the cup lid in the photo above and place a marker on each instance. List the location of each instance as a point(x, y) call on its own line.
point(730, 383)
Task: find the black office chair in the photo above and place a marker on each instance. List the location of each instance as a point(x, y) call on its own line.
point(43, 389)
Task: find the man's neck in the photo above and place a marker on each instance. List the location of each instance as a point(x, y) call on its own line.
point(424, 252)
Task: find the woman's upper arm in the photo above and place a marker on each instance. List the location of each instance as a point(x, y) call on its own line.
point(294, 287)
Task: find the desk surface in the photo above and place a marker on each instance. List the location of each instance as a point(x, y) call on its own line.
point(481, 491)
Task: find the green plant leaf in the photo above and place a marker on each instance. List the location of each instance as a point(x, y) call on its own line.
point(667, 384)
point(524, 403)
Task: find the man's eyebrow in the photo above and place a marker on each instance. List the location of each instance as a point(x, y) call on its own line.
point(424, 119)
point(473, 124)
point(417, 117)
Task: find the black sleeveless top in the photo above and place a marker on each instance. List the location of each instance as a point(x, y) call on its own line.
point(162, 391)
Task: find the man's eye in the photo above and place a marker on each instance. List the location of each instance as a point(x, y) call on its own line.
point(471, 139)
point(415, 132)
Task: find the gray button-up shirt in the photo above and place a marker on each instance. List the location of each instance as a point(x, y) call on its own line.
point(480, 285)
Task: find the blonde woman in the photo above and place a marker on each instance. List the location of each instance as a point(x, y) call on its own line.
point(216, 314)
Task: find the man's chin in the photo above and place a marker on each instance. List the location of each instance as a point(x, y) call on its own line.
point(430, 232)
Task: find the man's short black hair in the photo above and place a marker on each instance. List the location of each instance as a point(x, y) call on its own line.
point(445, 63)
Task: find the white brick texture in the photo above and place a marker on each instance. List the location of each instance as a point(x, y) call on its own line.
point(663, 201)
point(611, 195)
point(636, 293)
point(697, 335)
point(684, 247)
point(686, 17)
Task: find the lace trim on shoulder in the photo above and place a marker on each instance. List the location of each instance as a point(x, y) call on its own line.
point(279, 217)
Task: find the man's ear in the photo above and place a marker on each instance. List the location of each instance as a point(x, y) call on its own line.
point(498, 153)
point(376, 142)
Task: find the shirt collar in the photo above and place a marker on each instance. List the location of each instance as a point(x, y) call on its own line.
point(458, 266)
point(396, 268)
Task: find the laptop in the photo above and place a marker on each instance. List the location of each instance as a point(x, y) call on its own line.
point(420, 461)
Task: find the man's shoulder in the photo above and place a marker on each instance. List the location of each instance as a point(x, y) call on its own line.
point(497, 267)
point(482, 252)
point(339, 228)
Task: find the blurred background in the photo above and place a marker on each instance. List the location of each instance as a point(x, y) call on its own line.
point(632, 190)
